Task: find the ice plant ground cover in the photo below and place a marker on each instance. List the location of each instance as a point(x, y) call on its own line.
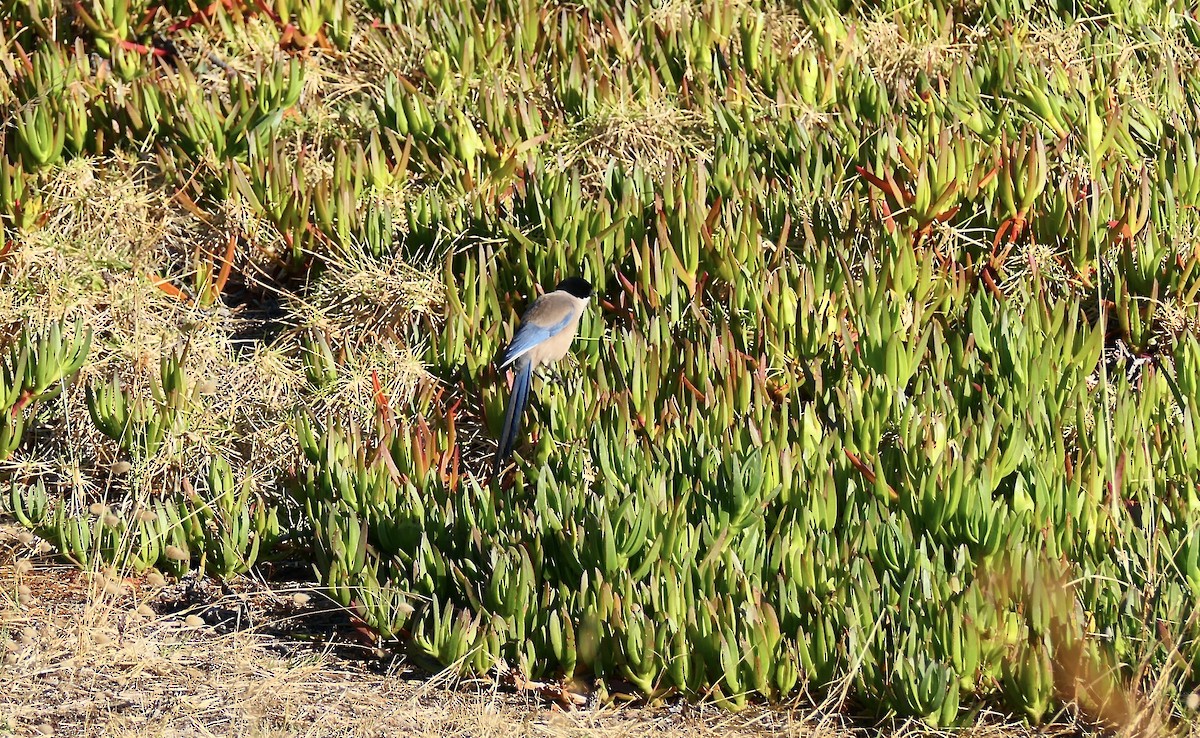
point(888, 400)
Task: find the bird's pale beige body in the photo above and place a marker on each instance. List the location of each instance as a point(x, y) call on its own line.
point(550, 310)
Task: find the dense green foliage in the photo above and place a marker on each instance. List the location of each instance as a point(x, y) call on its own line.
point(894, 372)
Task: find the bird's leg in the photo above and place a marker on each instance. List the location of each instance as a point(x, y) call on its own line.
point(558, 371)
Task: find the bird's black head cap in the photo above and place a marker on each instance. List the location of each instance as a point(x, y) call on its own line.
point(576, 287)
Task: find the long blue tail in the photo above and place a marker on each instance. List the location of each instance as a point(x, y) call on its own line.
point(516, 410)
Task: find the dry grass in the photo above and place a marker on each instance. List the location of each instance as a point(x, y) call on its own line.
point(895, 53)
point(655, 135)
point(362, 296)
point(787, 30)
point(121, 254)
point(79, 662)
point(90, 654)
point(1060, 44)
point(352, 396)
point(118, 254)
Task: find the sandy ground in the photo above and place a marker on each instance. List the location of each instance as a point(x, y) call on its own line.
point(90, 655)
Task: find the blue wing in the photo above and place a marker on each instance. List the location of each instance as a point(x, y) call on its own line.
point(529, 335)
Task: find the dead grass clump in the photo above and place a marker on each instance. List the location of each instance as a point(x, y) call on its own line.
point(359, 295)
point(352, 397)
point(248, 414)
point(96, 247)
point(1035, 257)
point(896, 52)
point(787, 30)
point(118, 254)
point(1060, 43)
point(386, 49)
point(328, 109)
point(654, 134)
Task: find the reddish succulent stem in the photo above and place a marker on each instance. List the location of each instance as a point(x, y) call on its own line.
point(200, 15)
point(868, 473)
point(691, 387)
point(381, 402)
point(142, 49)
point(270, 12)
point(985, 275)
point(24, 399)
point(226, 267)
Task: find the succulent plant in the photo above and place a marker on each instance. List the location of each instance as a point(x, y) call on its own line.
point(34, 368)
point(896, 330)
point(138, 424)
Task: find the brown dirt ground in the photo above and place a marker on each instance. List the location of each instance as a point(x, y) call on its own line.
point(86, 655)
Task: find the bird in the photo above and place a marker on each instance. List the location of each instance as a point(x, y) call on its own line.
point(547, 329)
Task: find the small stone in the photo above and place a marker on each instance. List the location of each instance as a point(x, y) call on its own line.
point(193, 621)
